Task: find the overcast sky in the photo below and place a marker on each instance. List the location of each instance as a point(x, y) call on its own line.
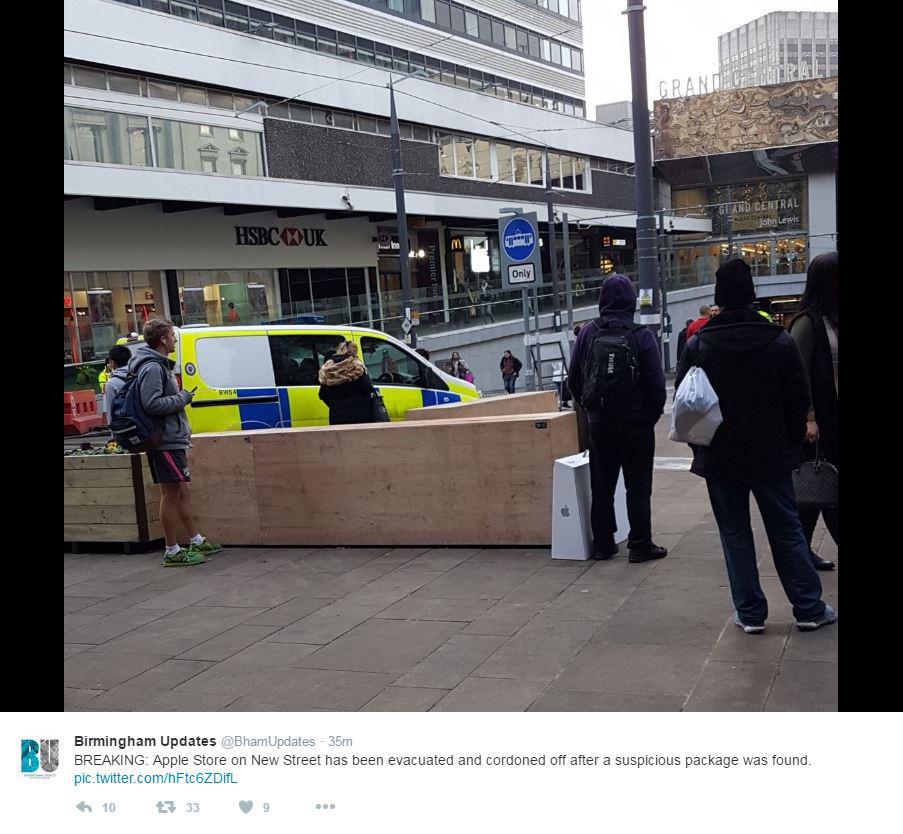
point(681, 40)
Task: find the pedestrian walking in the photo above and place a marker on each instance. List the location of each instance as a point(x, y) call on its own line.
point(117, 360)
point(168, 461)
point(510, 367)
point(232, 315)
point(346, 388)
point(456, 366)
point(616, 375)
point(486, 298)
point(814, 328)
point(759, 377)
point(682, 338)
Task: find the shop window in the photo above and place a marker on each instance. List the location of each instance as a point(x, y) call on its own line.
point(330, 294)
point(389, 365)
point(296, 360)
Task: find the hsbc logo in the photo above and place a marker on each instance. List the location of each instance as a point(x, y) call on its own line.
point(273, 236)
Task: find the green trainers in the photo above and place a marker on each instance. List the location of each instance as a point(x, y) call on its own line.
point(205, 548)
point(183, 558)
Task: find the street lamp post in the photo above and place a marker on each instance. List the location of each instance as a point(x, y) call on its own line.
point(400, 214)
point(647, 250)
point(553, 253)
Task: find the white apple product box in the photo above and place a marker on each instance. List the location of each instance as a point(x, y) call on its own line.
point(572, 532)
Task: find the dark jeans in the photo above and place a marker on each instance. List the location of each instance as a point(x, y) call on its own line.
point(509, 383)
point(613, 448)
point(809, 518)
point(774, 495)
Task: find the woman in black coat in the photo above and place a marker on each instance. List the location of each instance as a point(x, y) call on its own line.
point(814, 329)
point(346, 388)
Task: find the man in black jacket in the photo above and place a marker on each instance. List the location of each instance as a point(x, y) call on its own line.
point(763, 391)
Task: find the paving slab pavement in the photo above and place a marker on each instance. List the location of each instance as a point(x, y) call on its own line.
point(445, 629)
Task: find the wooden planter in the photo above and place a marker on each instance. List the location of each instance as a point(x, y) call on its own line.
point(110, 498)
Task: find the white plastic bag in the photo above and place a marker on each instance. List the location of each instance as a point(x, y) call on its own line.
point(696, 414)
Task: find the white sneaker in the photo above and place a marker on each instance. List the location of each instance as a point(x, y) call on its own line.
point(749, 629)
point(829, 616)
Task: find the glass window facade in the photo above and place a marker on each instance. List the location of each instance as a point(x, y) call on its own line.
point(98, 309)
point(241, 18)
point(227, 296)
point(124, 139)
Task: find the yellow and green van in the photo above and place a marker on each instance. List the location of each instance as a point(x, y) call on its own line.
point(266, 376)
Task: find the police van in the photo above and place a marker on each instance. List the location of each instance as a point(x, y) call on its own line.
point(263, 377)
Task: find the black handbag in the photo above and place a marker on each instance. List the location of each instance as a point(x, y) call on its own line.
point(815, 483)
point(380, 412)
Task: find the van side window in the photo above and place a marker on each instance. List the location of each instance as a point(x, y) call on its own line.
point(388, 365)
point(295, 360)
point(233, 361)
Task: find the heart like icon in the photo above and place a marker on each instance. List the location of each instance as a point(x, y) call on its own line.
point(246, 805)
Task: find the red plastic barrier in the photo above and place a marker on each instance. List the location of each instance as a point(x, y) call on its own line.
point(80, 412)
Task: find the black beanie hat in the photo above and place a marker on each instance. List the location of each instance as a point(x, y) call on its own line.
point(734, 284)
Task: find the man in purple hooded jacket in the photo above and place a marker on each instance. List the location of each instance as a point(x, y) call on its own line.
point(628, 442)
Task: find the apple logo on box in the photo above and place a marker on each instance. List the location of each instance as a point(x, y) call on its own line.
point(565, 511)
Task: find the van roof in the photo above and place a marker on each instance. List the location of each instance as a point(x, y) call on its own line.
point(314, 328)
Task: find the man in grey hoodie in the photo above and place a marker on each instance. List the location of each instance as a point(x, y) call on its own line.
point(168, 461)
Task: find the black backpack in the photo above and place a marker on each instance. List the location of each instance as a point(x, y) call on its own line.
point(133, 428)
point(611, 372)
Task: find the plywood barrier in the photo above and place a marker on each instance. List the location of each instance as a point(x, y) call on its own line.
point(110, 498)
point(530, 402)
point(477, 481)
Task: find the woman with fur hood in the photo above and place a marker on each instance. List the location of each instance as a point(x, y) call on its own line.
point(346, 388)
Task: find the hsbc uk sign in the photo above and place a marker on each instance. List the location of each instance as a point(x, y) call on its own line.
point(274, 236)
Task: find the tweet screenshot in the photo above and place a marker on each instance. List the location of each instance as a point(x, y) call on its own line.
point(451, 426)
point(321, 772)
